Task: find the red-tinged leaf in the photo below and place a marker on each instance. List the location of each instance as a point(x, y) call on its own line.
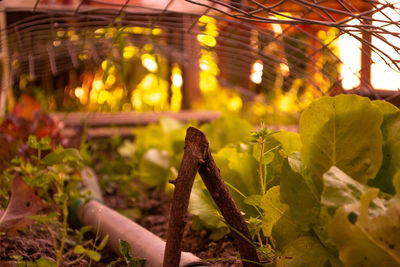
point(26, 107)
point(23, 203)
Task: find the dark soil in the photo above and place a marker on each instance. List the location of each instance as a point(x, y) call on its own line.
point(35, 241)
point(155, 209)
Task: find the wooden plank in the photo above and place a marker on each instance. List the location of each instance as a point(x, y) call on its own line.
point(131, 118)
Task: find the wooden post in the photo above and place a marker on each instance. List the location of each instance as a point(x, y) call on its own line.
point(195, 150)
point(6, 93)
point(190, 73)
point(366, 60)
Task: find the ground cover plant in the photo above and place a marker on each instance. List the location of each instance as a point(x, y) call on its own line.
point(325, 196)
point(39, 181)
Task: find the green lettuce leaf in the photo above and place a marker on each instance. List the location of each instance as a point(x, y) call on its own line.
point(226, 130)
point(273, 209)
point(290, 142)
point(365, 238)
point(299, 192)
point(304, 252)
point(154, 167)
point(240, 171)
point(386, 107)
point(391, 152)
point(340, 189)
point(342, 131)
point(204, 208)
point(285, 230)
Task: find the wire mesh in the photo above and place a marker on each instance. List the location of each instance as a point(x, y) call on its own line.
point(55, 38)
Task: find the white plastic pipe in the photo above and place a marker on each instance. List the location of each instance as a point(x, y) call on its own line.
point(144, 244)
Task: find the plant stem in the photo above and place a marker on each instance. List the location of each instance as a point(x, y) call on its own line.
point(259, 239)
point(260, 168)
point(52, 236)
point(63, 234)
point(76, 260)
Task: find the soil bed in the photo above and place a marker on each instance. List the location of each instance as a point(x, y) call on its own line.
point(35, 241)
point(155, 209)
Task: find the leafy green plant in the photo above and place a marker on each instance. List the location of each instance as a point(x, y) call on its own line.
point(124, 248)
point(42, 262)
point(111, 159)
point(55, 178)
point(340, 217)
point(158, 148)
point(327, 196)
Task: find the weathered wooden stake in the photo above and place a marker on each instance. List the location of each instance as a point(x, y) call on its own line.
point(197, 158)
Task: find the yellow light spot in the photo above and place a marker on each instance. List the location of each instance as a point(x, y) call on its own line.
point(79, 92)
point(130, 51)
point(177, 80)
point(111, 32)
point(100, 31)
point(207, 63)
point(104, 64)
point(156, 31)
point(110, 80)
point(256, 78)
point(206, 40)
point(277, 28)
point(97, 85)
point(285, 103)
point(148, 61)
point(137, 30)
point(118, 93)
point(284, 16)
point(74, 38)
point(109, 35)
point(257, 72)
point(211, 29)
point(154, 98)
point(206, 19)
point(60, 33)
point(321, 35)
point(112, 69)
point(258, 66)
point(147, 47)
point(104, 96)
point(284, 69)
point(128, 30)
point(151, 93)
point(204, 65)
point(235, 103)
point(70, 33)
point(176, 94)
point(93, 96)
point(208, 82)
point(82, 56)
point(176, 98)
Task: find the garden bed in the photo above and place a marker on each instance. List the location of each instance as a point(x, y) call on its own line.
point(307, 199)
point(34, 242)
